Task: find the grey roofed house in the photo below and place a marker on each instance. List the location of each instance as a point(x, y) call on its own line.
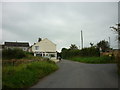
point(17, 44)
point(23, 45)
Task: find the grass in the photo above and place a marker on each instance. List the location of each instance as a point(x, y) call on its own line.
point(94, 60)
point(31, 57)
point(25, 75)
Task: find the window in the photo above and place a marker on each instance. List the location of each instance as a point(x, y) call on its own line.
point(24, 49)
point(52, 55)
point(36, 47)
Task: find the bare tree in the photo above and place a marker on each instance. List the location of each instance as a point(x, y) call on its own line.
point(117, 30)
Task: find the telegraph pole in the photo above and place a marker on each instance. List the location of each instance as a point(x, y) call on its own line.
point(109, 42)
point(81, 40)
point(119, 36)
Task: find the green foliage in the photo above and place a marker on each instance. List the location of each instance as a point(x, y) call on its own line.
point(95, 60)
point(92, 51)
point(104, 45)
point(69, 53)
point(73, 46)
point(31, 57)
point(13, 53)
point(25, 75)
point(17, 53)
point(64, 53)
point(29, 53)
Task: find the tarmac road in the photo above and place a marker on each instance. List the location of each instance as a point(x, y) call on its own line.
point(80, 75)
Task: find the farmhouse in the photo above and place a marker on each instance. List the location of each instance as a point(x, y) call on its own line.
point(44, 48)
point(22, 45)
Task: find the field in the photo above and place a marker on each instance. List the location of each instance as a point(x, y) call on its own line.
point(94, 60)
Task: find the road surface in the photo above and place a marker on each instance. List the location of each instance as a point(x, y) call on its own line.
point(80, 75)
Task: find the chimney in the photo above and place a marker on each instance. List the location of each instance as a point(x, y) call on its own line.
point(39, 39)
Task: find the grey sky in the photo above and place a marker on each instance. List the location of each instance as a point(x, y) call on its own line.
point(59, 22)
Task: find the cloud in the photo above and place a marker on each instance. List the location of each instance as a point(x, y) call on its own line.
point(59, 22)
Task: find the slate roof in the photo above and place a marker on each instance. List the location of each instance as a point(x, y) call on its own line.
point(17, 44)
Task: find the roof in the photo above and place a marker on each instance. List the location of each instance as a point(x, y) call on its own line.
point(49, 41)
point(17, 44)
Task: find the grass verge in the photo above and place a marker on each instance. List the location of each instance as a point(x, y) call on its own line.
point(25, 75)
point(94, 60)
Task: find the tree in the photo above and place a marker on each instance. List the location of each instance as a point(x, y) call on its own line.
point(73, 46)
point(117, 30)
point(63, 49)
point(64, 53)
point(104, 45)
point(91, 44)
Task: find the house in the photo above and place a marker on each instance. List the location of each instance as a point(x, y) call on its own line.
point(44, 48)
point(22, 45)
point(115, 52)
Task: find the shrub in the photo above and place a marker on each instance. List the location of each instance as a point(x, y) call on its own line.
point(15, 53)
point(92, 51)
point(29, 53)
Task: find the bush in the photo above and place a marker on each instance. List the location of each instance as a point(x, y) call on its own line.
point(29, 53)
point(15, 53)
point(92, 51)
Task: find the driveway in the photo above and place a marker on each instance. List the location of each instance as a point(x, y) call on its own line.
point(80, 75)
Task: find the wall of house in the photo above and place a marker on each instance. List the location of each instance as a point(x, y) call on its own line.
point(51, 55)
point(44, 46)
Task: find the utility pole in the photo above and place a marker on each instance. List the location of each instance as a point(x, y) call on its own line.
point(81, 40)
point(119, 36)
point(109, 42)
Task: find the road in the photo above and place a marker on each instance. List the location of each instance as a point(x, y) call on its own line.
point(80, 75)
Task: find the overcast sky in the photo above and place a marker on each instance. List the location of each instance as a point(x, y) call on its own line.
point(59, 22)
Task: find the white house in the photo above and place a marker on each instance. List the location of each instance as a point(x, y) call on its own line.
point(45, 48)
